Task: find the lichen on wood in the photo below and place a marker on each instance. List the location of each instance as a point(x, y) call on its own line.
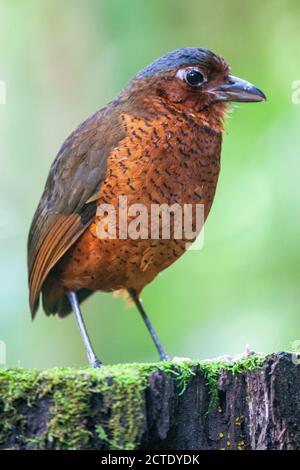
point(170, 405)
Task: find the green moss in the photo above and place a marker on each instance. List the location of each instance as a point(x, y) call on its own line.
point(71, 393)
point(181, 371)
point(212, 370)
point(15, 384)
point(73, 396)
point(124, 397)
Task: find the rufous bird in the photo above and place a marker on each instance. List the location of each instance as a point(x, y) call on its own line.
point(157, 142)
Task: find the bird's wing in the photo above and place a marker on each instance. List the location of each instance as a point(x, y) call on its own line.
point(64, 211)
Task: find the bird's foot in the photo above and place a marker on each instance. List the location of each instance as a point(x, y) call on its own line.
point(94, 362)
point(233, 358)
point(164, 357)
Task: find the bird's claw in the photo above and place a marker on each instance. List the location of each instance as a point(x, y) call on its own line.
point(95, 362)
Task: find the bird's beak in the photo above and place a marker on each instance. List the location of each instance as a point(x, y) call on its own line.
point(236, 89)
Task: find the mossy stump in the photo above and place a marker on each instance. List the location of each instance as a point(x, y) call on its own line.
point(253, 403)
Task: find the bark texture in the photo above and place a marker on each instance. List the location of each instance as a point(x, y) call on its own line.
point(258, 410)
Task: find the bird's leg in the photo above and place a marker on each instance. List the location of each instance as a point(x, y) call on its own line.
point(92, 358)
point(162, 354)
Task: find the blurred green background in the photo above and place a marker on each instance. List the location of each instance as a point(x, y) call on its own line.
point(61, 61)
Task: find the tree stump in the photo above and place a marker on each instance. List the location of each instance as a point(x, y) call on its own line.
point(253, 403)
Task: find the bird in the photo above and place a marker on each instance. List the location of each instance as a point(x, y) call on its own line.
point(158, 142)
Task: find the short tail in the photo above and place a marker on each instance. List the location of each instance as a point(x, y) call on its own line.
point(55, 300)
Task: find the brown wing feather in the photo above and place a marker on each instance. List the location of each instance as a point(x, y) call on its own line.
point(65, 209)
point(55, 244)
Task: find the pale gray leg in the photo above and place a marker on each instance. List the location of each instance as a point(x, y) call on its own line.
point(92, 358)
point(162, 354)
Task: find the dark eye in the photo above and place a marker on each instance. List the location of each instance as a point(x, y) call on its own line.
point(194, 77)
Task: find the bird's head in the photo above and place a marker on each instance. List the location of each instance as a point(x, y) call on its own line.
point(195, 80)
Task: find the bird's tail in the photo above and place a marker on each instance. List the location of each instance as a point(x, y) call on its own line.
point(55, 300)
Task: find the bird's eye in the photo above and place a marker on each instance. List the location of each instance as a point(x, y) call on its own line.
point(194, 78)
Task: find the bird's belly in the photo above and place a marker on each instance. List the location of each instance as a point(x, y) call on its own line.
point(150, 178)
point(115, 263)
